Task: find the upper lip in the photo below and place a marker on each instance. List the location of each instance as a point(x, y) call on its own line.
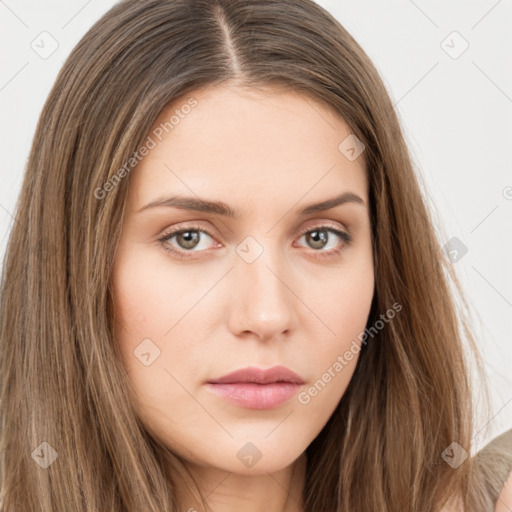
point(260, 376)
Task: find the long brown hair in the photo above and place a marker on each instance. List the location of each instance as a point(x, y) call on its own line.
point(64, 392)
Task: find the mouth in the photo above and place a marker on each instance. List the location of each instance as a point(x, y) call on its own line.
point(256, 388)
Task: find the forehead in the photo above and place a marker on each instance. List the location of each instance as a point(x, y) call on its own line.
point(247, 145)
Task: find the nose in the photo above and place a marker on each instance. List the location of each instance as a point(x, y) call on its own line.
point(263, 301)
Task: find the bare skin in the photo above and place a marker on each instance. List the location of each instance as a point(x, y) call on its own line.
point(209, 311)
point(504, 502)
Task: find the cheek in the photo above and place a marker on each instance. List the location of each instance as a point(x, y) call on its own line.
point(139, 308)
point(344, 306)
point(157, 311)
point(149, 296)
point(146, 308)
point(341, 302)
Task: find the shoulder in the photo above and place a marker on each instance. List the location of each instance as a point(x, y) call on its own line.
point(496, 461)
point(504, 502)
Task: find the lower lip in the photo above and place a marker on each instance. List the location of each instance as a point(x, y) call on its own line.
point(256, 396)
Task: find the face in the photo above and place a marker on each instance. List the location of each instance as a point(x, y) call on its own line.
point(261, 279)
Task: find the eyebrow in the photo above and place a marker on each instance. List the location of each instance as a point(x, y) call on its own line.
point(220, 208)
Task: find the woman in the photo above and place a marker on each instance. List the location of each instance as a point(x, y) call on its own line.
point(223, 289)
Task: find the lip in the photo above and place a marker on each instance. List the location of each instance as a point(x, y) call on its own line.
point(257, 388)
point(260, 376)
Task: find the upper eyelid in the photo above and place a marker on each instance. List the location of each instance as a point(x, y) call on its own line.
point(195, 227)
point(343, 234)
point(329, 225)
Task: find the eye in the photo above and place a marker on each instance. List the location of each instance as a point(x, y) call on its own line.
point(318, 238)
point(188, 241)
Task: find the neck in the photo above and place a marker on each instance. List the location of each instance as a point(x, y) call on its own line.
point(224, 491)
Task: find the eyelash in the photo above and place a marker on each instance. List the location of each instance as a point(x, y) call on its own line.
point(347, 240)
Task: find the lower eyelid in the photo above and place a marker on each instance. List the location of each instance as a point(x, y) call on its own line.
point(166, 237)
point(345, 237)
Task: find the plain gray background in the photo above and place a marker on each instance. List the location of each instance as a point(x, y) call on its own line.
point(447, 67)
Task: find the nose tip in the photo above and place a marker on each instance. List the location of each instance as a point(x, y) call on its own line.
point(263, 302)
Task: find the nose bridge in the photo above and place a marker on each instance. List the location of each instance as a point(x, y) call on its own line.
point(264, 302)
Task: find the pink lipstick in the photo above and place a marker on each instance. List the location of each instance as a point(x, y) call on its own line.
point(256, 388)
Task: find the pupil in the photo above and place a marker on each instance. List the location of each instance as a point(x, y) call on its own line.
point(190, 238)
point(319, 236)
